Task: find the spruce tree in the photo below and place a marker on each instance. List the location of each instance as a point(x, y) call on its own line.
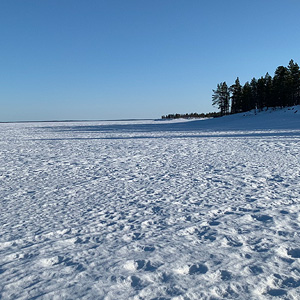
point(261, 93)
point(294, 83)
point(246, 97)
point(269, 90)
point(254, 95)
point(236, 97)
point(281, 87)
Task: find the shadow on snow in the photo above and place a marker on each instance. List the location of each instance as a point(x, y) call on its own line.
point(229, 126)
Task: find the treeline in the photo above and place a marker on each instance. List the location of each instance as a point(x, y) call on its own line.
point(281, 90)
point(191, 116)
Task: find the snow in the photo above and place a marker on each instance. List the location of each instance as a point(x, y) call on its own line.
point(198, 209)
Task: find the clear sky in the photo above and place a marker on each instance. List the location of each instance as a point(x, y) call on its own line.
point(115, 59)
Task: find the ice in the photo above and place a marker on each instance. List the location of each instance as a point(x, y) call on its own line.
point(197, 209)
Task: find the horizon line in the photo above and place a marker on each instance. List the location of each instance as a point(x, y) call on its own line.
point(84, 120)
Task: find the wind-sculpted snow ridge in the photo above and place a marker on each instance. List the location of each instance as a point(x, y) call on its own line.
point(203, 209)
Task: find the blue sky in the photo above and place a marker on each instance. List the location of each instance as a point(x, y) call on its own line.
point(115, 59)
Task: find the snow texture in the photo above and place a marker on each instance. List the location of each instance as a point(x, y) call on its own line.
point(200, 209)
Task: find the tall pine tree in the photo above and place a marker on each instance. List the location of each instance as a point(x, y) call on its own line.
point(281, 90)
point(281, 87)
point(254, 95)
point(269, 90)
point(294, 83)
point(261, 93)
point(236, 97)
point(220, 98)
point(247, 98)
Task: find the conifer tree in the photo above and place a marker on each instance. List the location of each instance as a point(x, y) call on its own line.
point(269, 90)
point(281, 87)
point(236, 97)
point(281, 90)
point(220, 98)
point(247, 98)
point(261, 93)
point(294, 83)
point(253, 99)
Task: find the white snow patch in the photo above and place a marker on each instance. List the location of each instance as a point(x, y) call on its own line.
point(199, 209)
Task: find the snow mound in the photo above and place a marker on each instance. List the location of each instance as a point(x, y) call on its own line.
point(272, 118)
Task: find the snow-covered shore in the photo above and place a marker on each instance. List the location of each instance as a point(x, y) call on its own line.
point(204, 209)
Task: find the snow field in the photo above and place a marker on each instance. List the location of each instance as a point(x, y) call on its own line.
point(114, 210)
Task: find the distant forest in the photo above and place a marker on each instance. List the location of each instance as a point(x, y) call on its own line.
point(191, 115)
point(281, 90)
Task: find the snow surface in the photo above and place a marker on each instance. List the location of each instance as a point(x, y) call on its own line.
point(205, 209)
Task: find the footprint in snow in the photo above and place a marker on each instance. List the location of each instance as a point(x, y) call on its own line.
point(188, 218)
point(149, 248)
point(256, 270)
point(136, 282)
point(137, 236)
point(206, 233)
point(2, 271)
point(287, 260)
point(284, 233)
point(225, 275)
point(277, 292)
point(146, 266)
point(172, 291)
point(70, 263)
point(157, 210)
point(80, 240)
point(263, 247)
point(198, 269)
point(263, 218)
point(290, 282)
point(295, 253)
point(214, 223)
point(233, 242)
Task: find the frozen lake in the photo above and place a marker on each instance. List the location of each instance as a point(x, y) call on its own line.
point(159, 210)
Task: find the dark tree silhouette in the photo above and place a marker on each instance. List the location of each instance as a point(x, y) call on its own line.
point(236, 97)
point(294, 82)
point(280, 91)
point(221, 98)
